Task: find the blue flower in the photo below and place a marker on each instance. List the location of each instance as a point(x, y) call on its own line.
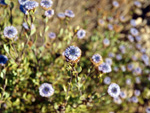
point(106, 42)
point(115, 4)
point(104, 68)
point(81, 33)
point(52, 35)
point(134, 31)
point(72, 53)
point(107, 80)
point(46, 90)
point(46, 4)
point(114, 90)
point(69, 13)
point(123, 95)
point(23, 10)
point(22, 2)
point(137, 3)
point(2, 2)
point(134, 99)
point(148, 110)
point(97, 59)
point(49, 13)
point(3, 60)
point(61, 15)
point(30, 5)
point(10, 32)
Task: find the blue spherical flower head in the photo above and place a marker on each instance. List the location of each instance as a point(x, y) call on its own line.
point(117, 100)
point(72, 54)
point(2, 3)
point(101, 22)
point(106, 42)
point(118, 56)
point(115, 4)
point(134, 99)
point(10, 32)
point(26, 26)
point(108, 61)
point(137, 4)
point(137, 92)
point(97, 59)
point(110, 27)
point(22, 2)
point(69, 13)
point(61, 16)
point(145, 59)
point(46, 4)
point(81, 33)
point(23, 10)
point(52, 35)
point(31, 5)
point(133, 22)
point(130, 67)
point(104, 68)
point(114, 90)
point(130, 38)
point(128, 81)
point(138, 38)
point(123, 95)
point(134, 31)
point(122, 18)
point(137, 71)
point(3, 60)
point(46, 90)
point(107, 80)
point(49, 13)
point(148, 110)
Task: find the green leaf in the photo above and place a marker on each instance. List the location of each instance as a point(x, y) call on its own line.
point(33, 31)
point(6, 48)
point(46, 29)
point(79, 69)
point(64, 88)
